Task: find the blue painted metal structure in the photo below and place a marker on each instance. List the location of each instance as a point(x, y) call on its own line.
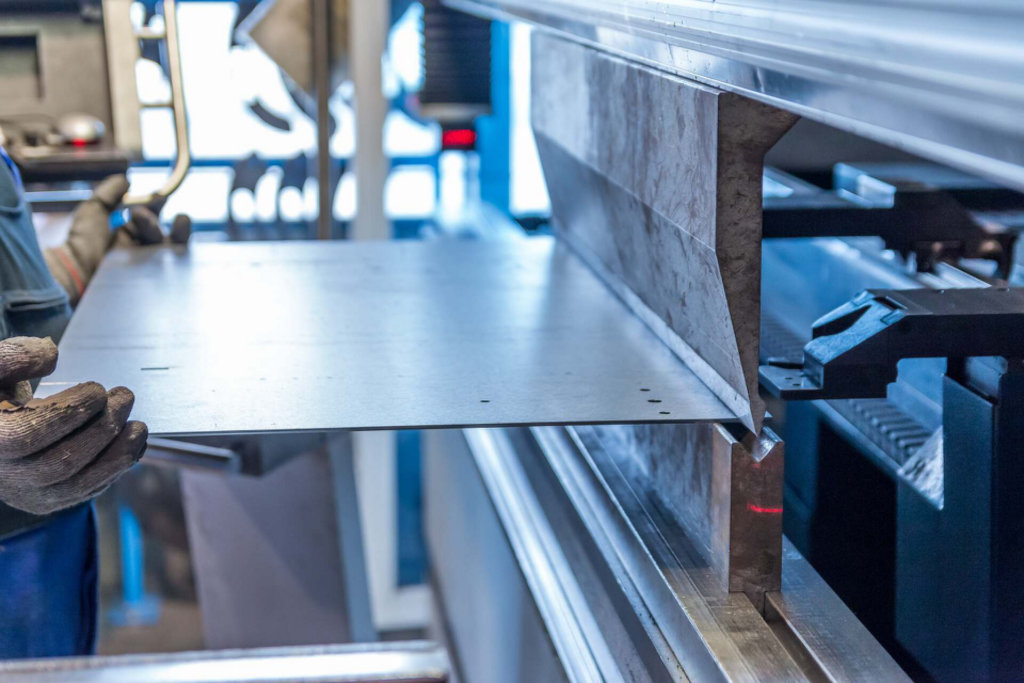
point(494, 132)
point(137, 607)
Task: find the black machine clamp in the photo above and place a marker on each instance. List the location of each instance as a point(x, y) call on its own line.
point(855, 348)
point(921, 209)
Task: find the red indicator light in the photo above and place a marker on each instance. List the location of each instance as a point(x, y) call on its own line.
point(763, 511)
point(460, 137)
point(78, 142)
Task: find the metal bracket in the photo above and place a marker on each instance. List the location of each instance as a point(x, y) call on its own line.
point(186, 455)
point(913, 208)
point(856, 347)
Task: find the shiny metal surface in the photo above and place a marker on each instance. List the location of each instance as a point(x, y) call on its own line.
point(596, 623)
point(193, 456)
point(805, 632)
point(236, 338)
point(570, 623)
point(939, 78)
point(595, 545)
point(714, 634)
point(482, 601)
point(822, 632)
point(725, 493)
point(415, 662)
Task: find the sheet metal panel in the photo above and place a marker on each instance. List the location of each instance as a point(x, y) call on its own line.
point(306, 336)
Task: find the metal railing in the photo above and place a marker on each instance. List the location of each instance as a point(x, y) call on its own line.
point(414, 662)
point(183, 160)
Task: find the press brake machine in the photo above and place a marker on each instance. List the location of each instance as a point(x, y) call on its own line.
point(655, 552)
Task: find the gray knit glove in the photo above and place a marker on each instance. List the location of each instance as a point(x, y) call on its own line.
point(66, 449)
point(75, 262)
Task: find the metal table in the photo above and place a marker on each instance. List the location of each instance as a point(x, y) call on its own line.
point(318, 336)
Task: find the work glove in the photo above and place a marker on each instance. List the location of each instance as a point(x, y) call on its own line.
point(63, 450)
point(75, 262)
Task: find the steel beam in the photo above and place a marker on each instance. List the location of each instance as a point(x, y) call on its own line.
point(726, 494)
point(938, 78)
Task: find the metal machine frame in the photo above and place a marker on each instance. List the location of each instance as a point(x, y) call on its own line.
point(857, 66)
point(849, 66)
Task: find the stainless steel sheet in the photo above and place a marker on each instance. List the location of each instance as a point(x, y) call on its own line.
point(318, 336)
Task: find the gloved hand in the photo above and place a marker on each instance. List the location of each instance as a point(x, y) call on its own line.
point(75, 262)
point(66, 449)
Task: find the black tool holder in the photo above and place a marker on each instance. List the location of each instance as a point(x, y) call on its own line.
point(917, 209)
point(960, 549)
point(855, 348)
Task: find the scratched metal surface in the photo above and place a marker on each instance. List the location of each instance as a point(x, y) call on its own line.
point(315, 336)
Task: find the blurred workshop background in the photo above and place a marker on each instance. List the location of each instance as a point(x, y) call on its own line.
point(252, 142)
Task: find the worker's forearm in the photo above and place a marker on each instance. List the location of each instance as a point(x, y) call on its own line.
point(75, 262)
point(90, 237)
point(67, 272)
